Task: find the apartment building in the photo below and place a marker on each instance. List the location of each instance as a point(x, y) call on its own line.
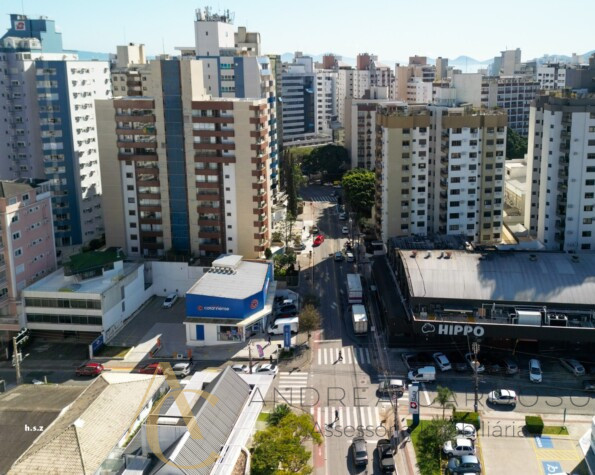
point(197, 182)
point(552, 76)
point(326, 101)
point(49, 124)
point(130, 71)
point(560, 199)
point(413, 83)
point(27, 250)
point(360, 128)
point(439, 170)
point(351, 83)
point(298, 96)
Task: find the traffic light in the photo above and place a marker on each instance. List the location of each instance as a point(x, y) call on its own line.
point(22, 337)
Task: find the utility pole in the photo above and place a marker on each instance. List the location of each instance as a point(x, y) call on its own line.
point(16, 359)
point(250, 354)
point(475, 348)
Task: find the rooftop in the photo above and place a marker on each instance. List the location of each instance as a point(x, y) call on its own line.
point(84, 435)
point(241, 281)
point(31, 405)
point(88, 261)
point(57, 281)
point(545, 278)
point(10, 188)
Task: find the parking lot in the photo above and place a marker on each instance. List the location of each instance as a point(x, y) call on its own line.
point(505, 448)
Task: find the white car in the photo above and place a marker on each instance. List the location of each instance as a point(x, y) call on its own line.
point(240, 368)
point(170, 300)
point(466, 430)
point(535, 375)
point(474, 363)
point(349, 256)
point(345, 230)
point(458, 447)
point(270, 369)
point(502, 396)
point(442, 361)
point(182, 369)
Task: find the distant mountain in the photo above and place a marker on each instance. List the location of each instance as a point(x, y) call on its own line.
point(90, 55)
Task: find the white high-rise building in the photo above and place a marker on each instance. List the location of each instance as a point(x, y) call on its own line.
point(50, 126)
point(560, 207)
point(325, 99)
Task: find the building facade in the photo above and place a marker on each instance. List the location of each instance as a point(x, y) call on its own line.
point(198, 183)
point(440, 171)
point(561, 172)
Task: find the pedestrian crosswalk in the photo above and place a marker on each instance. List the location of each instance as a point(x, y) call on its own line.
point(332, 199)
point(365, 416)
point(330, 356)
point(292, 389)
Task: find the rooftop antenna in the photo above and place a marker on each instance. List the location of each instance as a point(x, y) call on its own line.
point(163, 44)
point(23, 6)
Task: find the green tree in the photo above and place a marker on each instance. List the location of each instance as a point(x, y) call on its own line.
point(279, 449)
point(443, 397)
point(309, 319)
point(430, 441)
point(516, 145)
point(359, 187)
point(332, 160)
point(268, 253)
point(280, 411)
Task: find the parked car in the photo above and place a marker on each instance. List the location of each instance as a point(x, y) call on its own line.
point(385, 456)
point(170, 300)
point(510, 365)
point(318, 240)
point(492, 366)
point(466, 430)
point(290, 309)
point(589, 385)
point(241, 368)
point(466, 464)
point(573, 366)
point(442, 361)
point(535, 374)
point(503, 396)
point(182, 369)
point(458, 447)
point(314, 230)
point(90, 369)
point(417, 360)
point(350, 257)
point(270, 369)
point(474, 363)
point(153, 368)
point(425, 374)
point(345, 230)
point(387, 387)
point(299, 247)
point(359, 450)
point(458, 362)
point(343, 216)
point(339, 256)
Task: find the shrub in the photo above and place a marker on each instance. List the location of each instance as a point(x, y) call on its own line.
point(534, 424)
point(466, 417)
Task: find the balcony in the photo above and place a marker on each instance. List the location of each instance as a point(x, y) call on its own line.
point(444, 184)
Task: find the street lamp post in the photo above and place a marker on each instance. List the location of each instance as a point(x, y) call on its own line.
point(475, 348)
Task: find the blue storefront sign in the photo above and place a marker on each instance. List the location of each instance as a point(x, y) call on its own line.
point(287, 336)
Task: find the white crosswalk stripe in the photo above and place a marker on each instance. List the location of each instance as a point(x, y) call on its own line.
point(324, 198)
point(366, 416)
point(291, 389)
point(330, 356)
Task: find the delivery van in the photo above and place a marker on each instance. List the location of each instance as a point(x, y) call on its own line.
point(426, 374)
point(276, 327)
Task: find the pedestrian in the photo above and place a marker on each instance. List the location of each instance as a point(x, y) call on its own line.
point(269, 340)
point(271, 359)
point(340, 356)
point(336, 414)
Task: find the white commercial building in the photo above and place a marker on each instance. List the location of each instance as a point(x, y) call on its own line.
point(325, 99)
point(561, 172)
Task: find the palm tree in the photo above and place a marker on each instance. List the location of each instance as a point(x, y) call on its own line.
point(443, 397)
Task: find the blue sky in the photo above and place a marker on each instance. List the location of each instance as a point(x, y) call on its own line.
point(392, 29)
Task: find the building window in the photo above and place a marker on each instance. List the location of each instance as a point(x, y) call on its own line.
point(18, 252)
point(134, 237)
point(16, 236)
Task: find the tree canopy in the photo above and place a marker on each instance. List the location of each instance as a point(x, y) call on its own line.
point(359, 186)
point(331, 160)
point(516, 145)
point(279, 450)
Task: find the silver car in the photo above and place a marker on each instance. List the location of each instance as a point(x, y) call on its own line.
point(573, 366)
point(182, 369)
point(359, 449)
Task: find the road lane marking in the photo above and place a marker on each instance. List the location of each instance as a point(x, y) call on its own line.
point(426, 395)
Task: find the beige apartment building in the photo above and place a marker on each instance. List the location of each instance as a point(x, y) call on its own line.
point(439, 170)
point(186, 172)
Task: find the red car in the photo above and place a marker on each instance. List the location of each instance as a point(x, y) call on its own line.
point(153, 368)
point(318, 240)
point(90, 369)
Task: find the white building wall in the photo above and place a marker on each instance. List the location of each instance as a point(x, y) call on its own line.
point(170, 277)
point(231, 206)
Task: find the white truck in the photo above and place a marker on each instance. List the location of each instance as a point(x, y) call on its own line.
point(354, 288)
point(360, 319)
